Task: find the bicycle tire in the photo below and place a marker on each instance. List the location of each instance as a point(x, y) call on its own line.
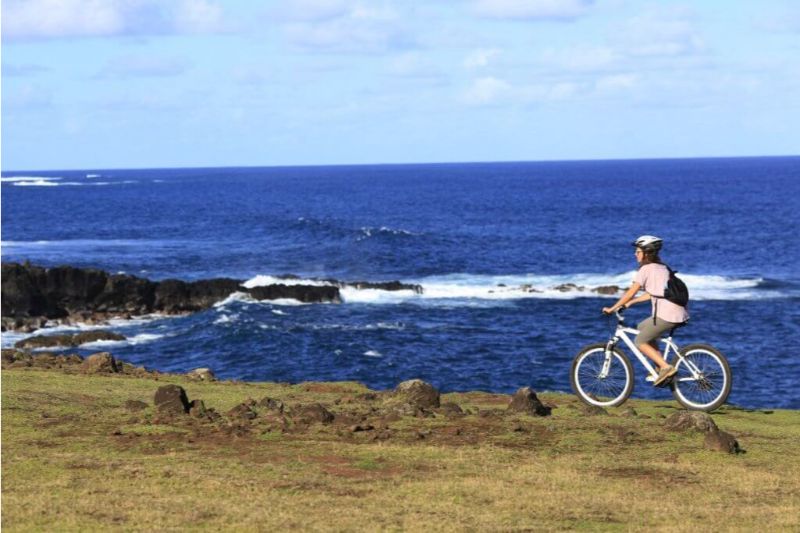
point(585, 389)
point(714, 365)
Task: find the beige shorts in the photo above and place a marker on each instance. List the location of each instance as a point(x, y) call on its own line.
point(648, 332)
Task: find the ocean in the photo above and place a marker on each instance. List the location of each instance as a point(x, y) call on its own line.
point(473, 235)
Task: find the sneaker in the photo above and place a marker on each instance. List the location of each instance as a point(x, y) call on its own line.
point(664, 374)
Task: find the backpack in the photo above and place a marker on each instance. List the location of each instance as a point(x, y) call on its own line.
point(675, 291)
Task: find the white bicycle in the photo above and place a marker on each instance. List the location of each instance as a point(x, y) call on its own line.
point(602, 374)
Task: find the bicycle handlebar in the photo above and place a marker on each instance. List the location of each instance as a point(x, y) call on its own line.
point(619, 314)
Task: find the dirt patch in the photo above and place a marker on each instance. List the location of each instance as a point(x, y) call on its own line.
point(650, 475)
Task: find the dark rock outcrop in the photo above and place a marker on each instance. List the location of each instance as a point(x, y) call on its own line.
point(303, 293)
point(526, 401)
point(33, 295)
point(607, 289)
point(70, 341)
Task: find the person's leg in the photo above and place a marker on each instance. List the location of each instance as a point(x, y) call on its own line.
point(645, 340)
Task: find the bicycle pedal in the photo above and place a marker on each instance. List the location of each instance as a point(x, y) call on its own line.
point(651, 377)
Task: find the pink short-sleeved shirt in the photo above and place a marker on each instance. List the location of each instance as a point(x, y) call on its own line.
point(653, 278)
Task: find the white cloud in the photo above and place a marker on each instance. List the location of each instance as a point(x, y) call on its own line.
point(486, 90)
point(51, 19)
point(615, 83)
point(480, 58)
point(309, 10)
point(355, 27)
point(532, 9)
point(198, 16)
point(660, 32)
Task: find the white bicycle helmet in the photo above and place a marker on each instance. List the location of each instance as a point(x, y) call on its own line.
point(648, 243)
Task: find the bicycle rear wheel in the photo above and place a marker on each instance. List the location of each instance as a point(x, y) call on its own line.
point(703, 381)
point(595, 388)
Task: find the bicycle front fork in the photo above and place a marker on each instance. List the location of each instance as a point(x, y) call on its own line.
point(610, 345)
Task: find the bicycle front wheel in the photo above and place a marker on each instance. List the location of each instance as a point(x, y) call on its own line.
point(598, 384)
point(703, 381)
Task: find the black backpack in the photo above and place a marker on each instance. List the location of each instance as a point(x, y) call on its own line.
point(676, 290)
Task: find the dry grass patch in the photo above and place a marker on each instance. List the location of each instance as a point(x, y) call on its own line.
point(75, 458)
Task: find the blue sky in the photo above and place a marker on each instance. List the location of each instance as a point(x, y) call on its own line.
point(93, 84)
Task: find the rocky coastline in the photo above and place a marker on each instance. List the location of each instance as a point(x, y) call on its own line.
point(34, 296)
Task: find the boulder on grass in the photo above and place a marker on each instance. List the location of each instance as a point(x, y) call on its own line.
point(417, 394)
point(690, 420)
point(171, 400)
point(99, 363)
point(526, 401)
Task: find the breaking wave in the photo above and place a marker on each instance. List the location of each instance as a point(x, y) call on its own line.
point(467, 288)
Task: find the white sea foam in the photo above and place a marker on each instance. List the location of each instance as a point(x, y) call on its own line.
point(262, 281)
point(227, 319)
point(235, 297)
point(278, 312)
point(144, 338)
point(367, 232)
point(91, 176)
point(373, 353)
point(22, 179)
point(36, 183)
point(472, 289)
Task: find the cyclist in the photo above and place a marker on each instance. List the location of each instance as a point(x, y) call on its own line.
point(652, 276)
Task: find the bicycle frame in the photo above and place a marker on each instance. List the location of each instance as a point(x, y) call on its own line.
point(622, 333)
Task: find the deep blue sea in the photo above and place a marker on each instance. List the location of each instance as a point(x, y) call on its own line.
point(470, 234)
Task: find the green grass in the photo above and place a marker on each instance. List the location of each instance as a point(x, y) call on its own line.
point(75, 459)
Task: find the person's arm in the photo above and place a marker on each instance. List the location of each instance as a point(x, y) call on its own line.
point(639, 299)
point(627, 297)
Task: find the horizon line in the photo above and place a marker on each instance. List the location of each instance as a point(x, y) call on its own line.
point(420, 163)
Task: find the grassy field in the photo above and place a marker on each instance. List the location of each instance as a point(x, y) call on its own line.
point(74, 457)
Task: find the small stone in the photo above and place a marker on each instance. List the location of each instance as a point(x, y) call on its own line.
point(629, 412)
point(197, 409)
point(312, 413)
point(361, 427)
point(242, 411)
point(201, 374)
point(272, 404)
point(721, 441)
point(526, 401)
